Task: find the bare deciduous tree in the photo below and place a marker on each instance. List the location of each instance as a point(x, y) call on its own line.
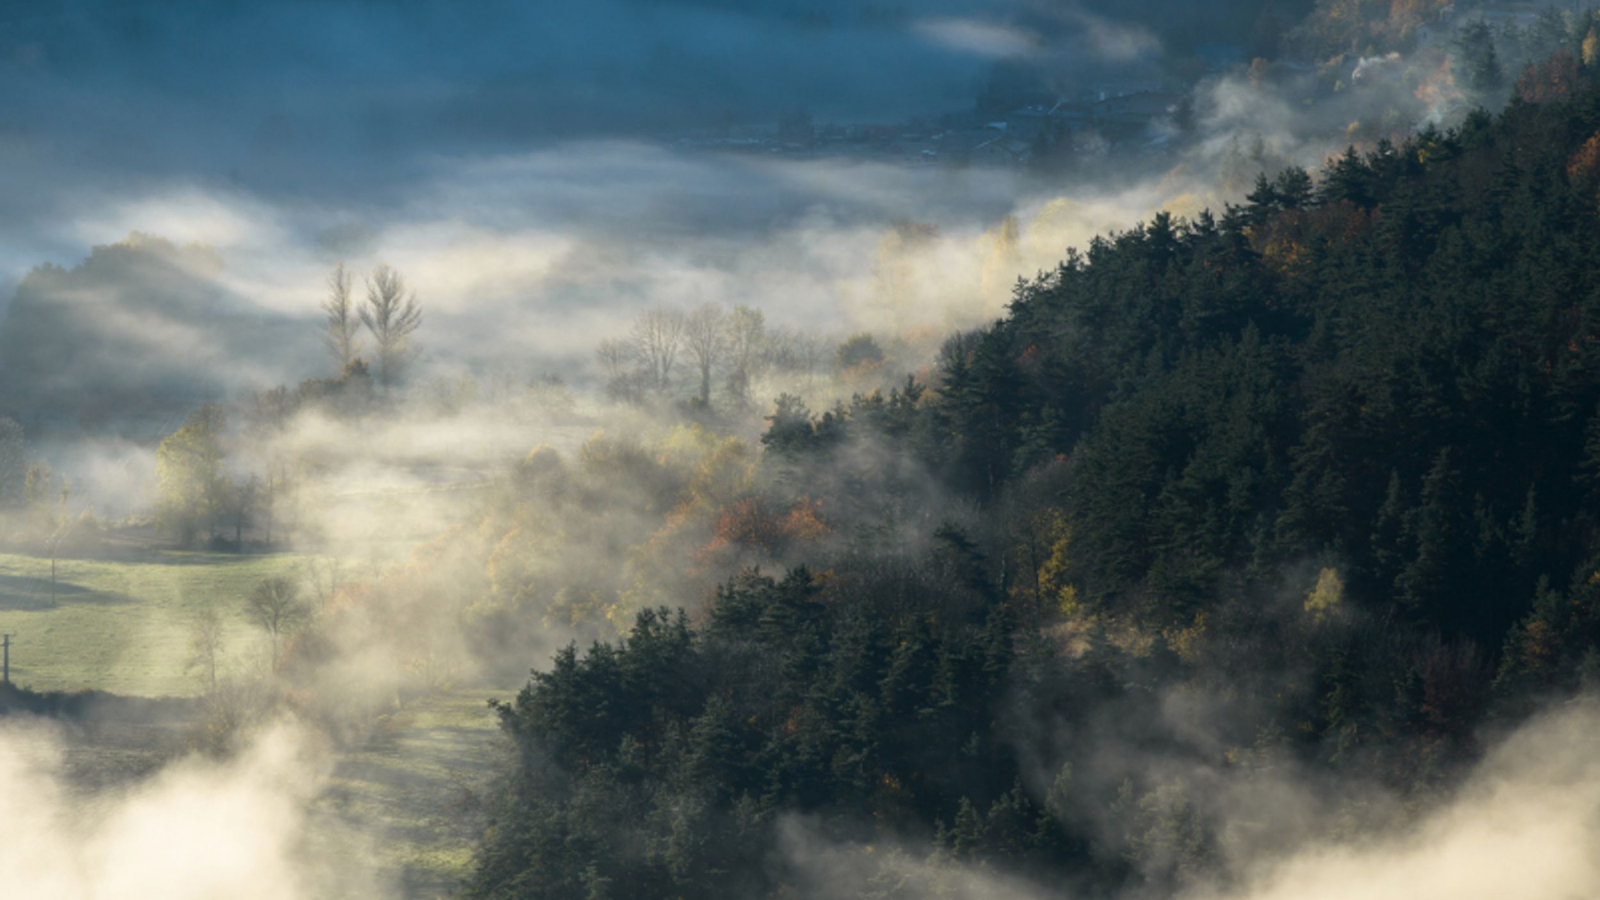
point(343, 324)
point(750, 350)
point(275, 607)
point(323, 574)
point(616, 358)
point(205, 646)
point(811, 350)
point(657, 337)
point(798, 352)
point(391, 314)
point(705, 340)
point(626, 378)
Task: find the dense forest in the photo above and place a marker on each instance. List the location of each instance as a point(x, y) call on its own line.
point(1307, 485)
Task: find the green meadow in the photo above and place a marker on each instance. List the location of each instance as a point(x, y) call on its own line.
point(123, 625)
point(413, 790)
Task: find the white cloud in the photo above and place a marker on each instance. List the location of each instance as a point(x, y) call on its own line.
point(1115, 41)
point(978, 37)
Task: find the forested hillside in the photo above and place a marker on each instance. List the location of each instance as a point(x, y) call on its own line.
point(1308, 485)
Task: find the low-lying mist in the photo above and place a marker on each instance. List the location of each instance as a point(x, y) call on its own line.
point(199, 829)
point(524, 262)
point(511, 495)
point(1523, 824)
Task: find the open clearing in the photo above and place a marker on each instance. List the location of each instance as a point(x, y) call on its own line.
point(123, 625)
point(409, 793)
point(404, 802)
point(413, 791)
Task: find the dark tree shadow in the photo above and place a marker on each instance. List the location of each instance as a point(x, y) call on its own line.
point(25, 593)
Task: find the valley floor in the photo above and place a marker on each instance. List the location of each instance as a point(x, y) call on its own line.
point(407, 796)
point(123, 625)
point(414, 790)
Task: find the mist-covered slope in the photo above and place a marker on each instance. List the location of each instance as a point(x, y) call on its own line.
point(131, 338)
point(1241, 535)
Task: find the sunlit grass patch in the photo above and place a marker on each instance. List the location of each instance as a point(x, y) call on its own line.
point(122, 625)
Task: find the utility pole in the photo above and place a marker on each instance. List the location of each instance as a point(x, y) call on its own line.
point(5, 662)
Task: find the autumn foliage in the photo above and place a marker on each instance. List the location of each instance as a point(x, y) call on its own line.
point(1553, 81)
point(752, 524)
point(1583, 168)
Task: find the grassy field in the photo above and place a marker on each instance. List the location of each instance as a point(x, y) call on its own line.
point(414, 789)
point(404, 803)
point(408, 795)
point(122, 625)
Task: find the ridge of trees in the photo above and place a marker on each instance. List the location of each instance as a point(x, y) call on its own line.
point(734, 346)
point(1333, 450)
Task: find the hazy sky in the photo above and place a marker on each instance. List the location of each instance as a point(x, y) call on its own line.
point(350, 106)
point(351, 103)
point(328, 96)
point(515, 159)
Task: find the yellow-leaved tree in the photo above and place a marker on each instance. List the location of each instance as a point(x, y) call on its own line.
point(1326, 597)
point(1041, 549)
point(192, 489)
